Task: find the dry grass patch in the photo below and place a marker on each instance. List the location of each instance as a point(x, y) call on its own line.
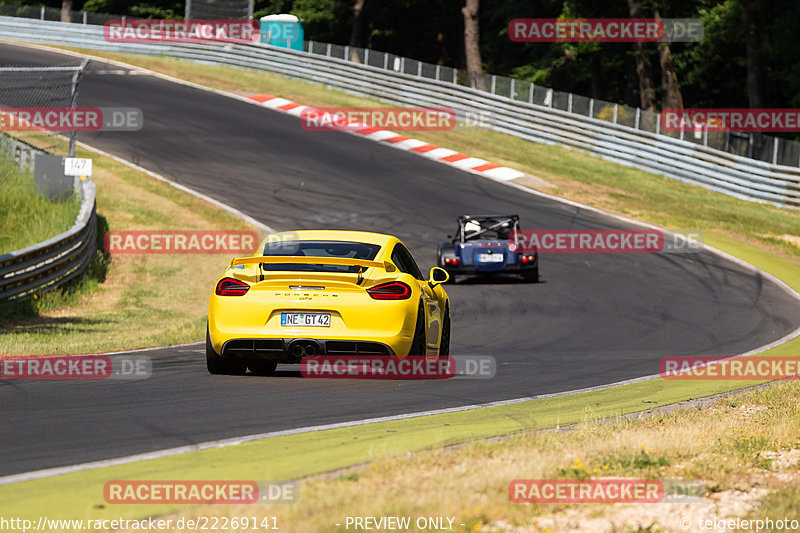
point(745, 450)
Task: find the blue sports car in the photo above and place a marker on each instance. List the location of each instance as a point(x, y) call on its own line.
point(482, 247)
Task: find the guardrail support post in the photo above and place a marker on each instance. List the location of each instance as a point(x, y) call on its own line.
point(511, 92)
point(41, 13)
point(530, 94)
point(494, 82)
point(616, 110)
point(591, 107)
point(638, 113)
point(775, 150)
point(569, 103)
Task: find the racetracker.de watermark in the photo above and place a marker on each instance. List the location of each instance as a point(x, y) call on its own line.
point(180, 31)
point(619, 241)
point(71, 118)
point(180, 242)
point(607, 490)
point(199, 491)
point(736, 120)
point(720, 368)
point(392, 367)
point(127, 367)
point(605, 30)
point(358, 118)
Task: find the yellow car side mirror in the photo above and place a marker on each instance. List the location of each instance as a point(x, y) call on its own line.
point(438, 276)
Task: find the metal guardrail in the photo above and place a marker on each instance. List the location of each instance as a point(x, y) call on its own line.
point(57, 261)
point(678, 159)
point(759, 146)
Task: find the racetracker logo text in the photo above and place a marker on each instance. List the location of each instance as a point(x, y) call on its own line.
point(378, 367)
point(76, 367)
point(585, 491)
point(605, 30)
point(737, 120)
point(180, 31)
point(180, 242)
point(619, 241)
point(194, 491)
point(720, 368)
point(393, 367)
point(358, 118)
point(71, 119)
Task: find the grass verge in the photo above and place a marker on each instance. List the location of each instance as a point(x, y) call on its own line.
point(145, 300)
point(26, 215)
point(401, 481)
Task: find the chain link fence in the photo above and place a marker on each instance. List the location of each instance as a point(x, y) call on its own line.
point(52, 13)
point(219, 9)
point(24, 92)
point(39, 88)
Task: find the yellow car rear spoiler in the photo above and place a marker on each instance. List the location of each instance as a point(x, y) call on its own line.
point(345, 261)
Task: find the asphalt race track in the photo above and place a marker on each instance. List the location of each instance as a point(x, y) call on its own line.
point(595, 319)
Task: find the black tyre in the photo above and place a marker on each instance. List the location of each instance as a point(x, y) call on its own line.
point(532, 275)
point(261, 367)
point(220, 365)
point(418, 346)
point(444, 344)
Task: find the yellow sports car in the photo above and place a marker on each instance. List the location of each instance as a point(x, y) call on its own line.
point(307, 293)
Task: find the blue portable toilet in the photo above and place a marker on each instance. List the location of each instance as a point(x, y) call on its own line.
point(282, 30)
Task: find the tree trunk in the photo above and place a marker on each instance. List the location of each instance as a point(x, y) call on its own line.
point(755, 91)
point(358, 24)
point(472, 45)
point(596, 71)
point(755, 72)
point(671, 96)
point(644, 71)
point(66, 10)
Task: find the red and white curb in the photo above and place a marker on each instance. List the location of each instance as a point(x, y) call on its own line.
point(431, 151)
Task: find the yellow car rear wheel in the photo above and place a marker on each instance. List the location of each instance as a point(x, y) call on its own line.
point(444, 344)
point(418, 345)
point(219, 365)
point(262, 368)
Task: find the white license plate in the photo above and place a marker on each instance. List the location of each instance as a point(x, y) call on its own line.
point(490, 258)
point(306, 319)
